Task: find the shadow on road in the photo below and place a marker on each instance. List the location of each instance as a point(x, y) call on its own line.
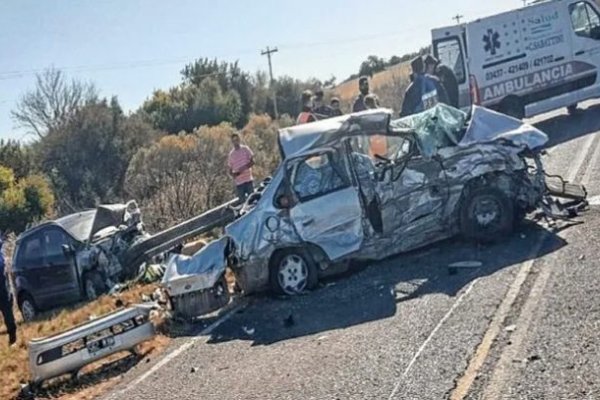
point(564, 128)
point(379, 291)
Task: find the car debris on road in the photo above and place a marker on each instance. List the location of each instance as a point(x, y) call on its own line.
point(69, 351)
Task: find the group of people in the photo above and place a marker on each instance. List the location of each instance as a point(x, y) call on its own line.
point(431, 83)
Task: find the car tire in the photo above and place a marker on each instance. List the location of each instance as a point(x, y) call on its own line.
point(513, 106)
point(27, 307)
point(93, 286)
point(291, 272)
point(487, 215)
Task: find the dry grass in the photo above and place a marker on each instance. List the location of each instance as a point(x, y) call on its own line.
point(396, 76)
point(14, 365)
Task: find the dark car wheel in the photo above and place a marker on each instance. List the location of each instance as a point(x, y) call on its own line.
point(93, 286)
point(486, 215)
point(27, 307)
point(292, 272)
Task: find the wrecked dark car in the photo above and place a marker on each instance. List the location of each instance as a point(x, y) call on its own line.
point(364, 187)
point(75, 257)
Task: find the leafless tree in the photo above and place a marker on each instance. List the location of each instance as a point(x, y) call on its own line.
point(53, 101)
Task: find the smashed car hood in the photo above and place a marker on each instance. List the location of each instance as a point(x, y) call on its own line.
point(488, 126)
point(443, 126)
point(201, 271)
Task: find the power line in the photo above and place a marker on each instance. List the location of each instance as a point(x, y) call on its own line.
point(15, 74)
point(268, 53)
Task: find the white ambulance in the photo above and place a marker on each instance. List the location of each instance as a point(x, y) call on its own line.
point(527, 61)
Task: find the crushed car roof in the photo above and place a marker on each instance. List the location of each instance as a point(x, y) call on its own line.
point(299, 139)
point(438, 127)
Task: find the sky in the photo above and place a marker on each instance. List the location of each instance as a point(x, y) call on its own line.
point(129, 48)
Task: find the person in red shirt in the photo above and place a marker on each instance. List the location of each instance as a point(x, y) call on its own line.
point(240, 163)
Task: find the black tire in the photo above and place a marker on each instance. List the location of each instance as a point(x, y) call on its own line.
point(486, 215)
point(295, 266)
point(93, 286)
point(572, 109)
point(27, 307)
point(513, 106)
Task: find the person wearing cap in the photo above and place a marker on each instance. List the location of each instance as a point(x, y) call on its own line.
point(446, 76)
point(336, 110)
point(6, 303)
point(424, 92)
point(321, 110)
point(306, 115)
point(363, 87)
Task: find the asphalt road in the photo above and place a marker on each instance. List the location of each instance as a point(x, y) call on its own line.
point(523, 325)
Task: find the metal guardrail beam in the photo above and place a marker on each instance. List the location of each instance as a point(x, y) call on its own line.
point(171, 237)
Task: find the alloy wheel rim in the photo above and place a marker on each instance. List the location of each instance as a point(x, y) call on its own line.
point(293, 274)
point(27, 310)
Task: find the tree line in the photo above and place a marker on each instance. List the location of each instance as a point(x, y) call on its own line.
point(169, 154)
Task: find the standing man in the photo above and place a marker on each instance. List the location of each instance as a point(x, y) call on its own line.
point(446, 77)
point(6, 303)
point(363, 86)
point(306, 114)
point(321, 110)
point(240, 162)
point(336, 110)
point(424, 92)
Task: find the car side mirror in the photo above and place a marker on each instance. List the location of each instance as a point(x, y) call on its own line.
point(68, 250)
point(283, 202)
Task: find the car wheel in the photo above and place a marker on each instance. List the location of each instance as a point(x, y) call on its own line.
point(486, 215)
point(292, 272)
point(93, 286)
point(27, 307)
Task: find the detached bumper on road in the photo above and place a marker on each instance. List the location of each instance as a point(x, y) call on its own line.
point(69, 351)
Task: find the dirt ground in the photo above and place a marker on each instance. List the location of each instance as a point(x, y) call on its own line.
point(97, 377)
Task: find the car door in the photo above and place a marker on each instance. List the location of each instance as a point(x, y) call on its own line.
point(585, 20)
point(30, 262)
point(449, 47)
point(414, 193)
point(327, 210)
point(59, 269)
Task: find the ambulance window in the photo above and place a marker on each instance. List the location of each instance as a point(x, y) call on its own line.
point(449, 53)
point(585, 20)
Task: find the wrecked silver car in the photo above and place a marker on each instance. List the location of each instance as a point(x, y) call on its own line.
point(364, 187)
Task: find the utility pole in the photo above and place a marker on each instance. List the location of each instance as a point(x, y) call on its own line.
point(458, 17)
point(268, 53)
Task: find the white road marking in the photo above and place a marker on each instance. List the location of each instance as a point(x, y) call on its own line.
point(431, 335)
point(494, 388)
point(171, 356)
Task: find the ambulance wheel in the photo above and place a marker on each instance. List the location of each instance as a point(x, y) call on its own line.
point(513, 106)
point(572, 109)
